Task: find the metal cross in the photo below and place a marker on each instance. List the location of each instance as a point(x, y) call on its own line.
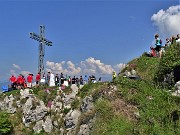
point(42, 42)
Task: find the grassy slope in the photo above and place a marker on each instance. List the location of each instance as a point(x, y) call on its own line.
point(155, 106)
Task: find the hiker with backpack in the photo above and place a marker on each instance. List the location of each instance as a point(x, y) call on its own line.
point(158, 45)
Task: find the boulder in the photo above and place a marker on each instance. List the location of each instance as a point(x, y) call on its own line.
point(24, 93)
point(177, 89)
point(48, 126)
point(7, 104)
point(71, 119)
point(38, 126)
point(30, 115)
point(87, 104)
point(84, 130)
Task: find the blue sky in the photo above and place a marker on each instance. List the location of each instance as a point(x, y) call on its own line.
point(89, 37)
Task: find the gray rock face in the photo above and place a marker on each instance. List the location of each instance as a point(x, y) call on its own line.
point(25, 93)
point(48, 126)
point(30, 115)
point(7, 104)
point(71, 119)
point(38, 126)
point(57, 104)
point(74, 88)
point(177, 89)
point(68, 100)
point(87, 104)
point(85, 129)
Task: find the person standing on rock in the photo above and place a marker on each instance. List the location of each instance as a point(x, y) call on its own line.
point(113, 76)
point(52, 80)
point(48, 78)
point(85, 79)
point(81, 80)
point(57, 80)
point(74, 80)
point(38, 78)
point(29, 80)
point(62, 78)
point(158, 45)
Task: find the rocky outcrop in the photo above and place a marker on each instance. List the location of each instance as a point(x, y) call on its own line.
point(32, 115)
point(71, 119)
point(7, 104)
point(51, 118)
point(87, 104)
point(38, 126)
point(47, 126)
point(177, 89)
point(57, 104)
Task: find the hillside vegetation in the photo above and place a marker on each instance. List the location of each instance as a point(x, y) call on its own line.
point(125, 106)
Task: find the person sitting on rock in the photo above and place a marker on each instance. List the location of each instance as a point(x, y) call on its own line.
point(12, 79)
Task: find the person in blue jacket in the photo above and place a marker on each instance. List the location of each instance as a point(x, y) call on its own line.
point(158, 45)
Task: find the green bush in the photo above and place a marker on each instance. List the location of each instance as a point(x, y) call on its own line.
point(168, 62)
point(5, 123)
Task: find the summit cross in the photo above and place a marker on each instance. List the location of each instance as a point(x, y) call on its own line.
point(42, 42)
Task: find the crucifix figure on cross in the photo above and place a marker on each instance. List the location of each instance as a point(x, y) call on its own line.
point(42, 42)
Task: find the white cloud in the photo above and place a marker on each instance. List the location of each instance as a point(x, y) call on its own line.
point(16, 66)
point(167, 21)
point(25, 73)
point(119, 67)
point(63, 67)
point(89, 66)
point(17, 70)
point(96, 66)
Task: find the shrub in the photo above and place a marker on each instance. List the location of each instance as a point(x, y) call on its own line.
point(5, 123)
point(168, 62)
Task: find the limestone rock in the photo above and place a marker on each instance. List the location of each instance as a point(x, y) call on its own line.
point(48, 126)
point(7, 104)
point(87, 104)
point(30, 115)
point(68, 100)
point(177, 89)
point(25, 93)
point(71, 119)
point(38, 126)
point(84, 130)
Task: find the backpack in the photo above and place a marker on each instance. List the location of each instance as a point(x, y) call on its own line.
point(160, 41)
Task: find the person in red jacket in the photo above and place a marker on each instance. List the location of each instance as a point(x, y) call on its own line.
point(19, 82)
point(24, 84)
point(38, 78)
point(12, 79)
point(29, 80)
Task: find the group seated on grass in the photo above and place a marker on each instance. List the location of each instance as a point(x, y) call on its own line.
point(160, 49)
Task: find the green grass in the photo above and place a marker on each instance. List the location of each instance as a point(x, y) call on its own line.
point(90, 88)
point(107, 123)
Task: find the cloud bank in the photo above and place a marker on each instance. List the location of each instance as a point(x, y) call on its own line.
point(167, 21)
point(16, 70)
point(89, 66)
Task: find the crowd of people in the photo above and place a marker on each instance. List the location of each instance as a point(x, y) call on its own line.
point(21, 82)
point(59, 80)
point(159, 48)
